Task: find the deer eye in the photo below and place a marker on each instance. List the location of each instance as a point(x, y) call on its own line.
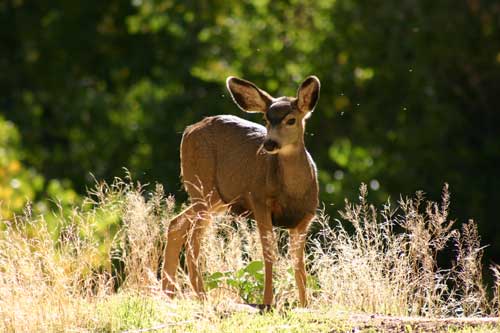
point(291, 121)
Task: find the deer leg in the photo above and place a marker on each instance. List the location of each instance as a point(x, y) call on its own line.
point(298, 237)
point(266, 233)
point(176, 237)
point(193, 251)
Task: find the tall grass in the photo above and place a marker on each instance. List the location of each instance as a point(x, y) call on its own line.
point(390, 263)
point(112, 245)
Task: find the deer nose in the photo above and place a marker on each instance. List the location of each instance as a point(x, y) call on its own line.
point(270, 145)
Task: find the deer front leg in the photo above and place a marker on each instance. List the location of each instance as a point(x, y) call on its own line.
point(298, 237)
point(266, 233)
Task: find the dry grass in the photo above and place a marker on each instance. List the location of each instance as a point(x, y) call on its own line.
point(66, 280)
point(389, 264)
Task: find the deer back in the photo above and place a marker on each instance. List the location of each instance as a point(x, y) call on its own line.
point(221, 154)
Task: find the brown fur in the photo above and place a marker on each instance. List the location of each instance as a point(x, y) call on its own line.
point(224, 167)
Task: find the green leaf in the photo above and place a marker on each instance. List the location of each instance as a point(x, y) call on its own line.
point(216, 276)
point(254, 267)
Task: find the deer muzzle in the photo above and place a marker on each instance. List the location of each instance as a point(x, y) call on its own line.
point(270, 146)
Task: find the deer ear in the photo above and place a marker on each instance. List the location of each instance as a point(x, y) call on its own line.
point(308, 94)
point(247, 95)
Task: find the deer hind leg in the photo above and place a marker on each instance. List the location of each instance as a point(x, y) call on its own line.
point(176, 237)
point(187, 228)
point(211, 203)
point(196, 233)
point(298, 237)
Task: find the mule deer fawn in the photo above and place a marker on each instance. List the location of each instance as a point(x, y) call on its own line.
point(231, 163)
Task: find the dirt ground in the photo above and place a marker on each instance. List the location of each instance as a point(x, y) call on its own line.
point(379, 323)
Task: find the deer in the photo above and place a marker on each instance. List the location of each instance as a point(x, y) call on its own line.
point(229, 163)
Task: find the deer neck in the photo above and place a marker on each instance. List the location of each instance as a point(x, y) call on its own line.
point(292, 171)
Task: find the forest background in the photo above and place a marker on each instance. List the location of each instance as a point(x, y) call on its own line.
point(409, 99)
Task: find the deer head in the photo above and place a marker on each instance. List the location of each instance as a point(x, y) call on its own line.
point(285, 116)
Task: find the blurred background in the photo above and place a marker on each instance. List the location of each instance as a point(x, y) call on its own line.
point(410, 93)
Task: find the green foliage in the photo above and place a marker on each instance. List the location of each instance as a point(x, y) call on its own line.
point(21, 185)
point(247, 281)
point(15, 180)
point(408, 101)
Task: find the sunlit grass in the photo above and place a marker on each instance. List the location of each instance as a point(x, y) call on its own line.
point(98, 270)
